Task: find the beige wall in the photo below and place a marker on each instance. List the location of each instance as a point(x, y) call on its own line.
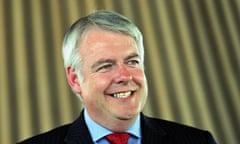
point(192, 63)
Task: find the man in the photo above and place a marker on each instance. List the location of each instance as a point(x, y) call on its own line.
point(103, 57)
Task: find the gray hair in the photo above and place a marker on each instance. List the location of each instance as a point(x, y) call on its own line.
point(102, 19)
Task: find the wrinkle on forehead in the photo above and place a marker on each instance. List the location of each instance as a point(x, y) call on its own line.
point(97, 36)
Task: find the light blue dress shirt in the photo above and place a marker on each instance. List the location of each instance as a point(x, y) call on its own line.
point(98, 132)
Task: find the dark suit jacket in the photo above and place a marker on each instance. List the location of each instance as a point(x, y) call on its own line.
point(154, 131)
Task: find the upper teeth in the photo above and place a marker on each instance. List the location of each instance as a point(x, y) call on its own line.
point(122, 94)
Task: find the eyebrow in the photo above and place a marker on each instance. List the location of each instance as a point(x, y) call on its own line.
point(134, 55)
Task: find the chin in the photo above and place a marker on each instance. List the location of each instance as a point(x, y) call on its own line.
point(129, 116)
point(125, 118)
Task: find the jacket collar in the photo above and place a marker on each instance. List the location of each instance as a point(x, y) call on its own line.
point(78, 132)
point(152, 132)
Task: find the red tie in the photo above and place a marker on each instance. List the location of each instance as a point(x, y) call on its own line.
point(118, 138)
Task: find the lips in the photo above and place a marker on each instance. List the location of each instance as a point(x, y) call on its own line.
point(122, 94)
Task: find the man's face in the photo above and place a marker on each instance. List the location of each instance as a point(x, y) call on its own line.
point(114, 85)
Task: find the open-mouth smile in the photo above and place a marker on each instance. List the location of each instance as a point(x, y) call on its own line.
point(122, 94)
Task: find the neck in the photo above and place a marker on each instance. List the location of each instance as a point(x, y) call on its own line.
point(118, 125)
point(115, 124)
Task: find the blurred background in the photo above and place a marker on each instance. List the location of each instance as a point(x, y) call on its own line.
point(191, 61)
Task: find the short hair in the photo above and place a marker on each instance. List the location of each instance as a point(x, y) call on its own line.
point(101, 19)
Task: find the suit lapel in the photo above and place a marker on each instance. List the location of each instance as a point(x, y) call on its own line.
point(78, 132)
point(152, 133)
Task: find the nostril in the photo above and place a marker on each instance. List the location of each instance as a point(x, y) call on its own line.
point(123, 80)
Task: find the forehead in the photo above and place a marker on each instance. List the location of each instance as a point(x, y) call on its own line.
point(95, 35)
point(97, 39)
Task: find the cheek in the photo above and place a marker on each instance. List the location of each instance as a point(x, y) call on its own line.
point(139, 76)
point(101, 82)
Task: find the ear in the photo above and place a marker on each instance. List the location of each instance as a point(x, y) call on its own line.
point(73, 80)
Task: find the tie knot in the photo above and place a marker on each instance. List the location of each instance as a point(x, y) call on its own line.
point(118, 138)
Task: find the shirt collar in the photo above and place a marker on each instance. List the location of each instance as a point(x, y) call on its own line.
point(97, 131)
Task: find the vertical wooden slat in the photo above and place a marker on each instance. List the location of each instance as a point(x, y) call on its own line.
point(176, 68)
point(23, 107)
point(5, 120)
point(108, 4)
point(201, 107)
point(127, 11)
point(43, 87)
point(204, 45)
point(234, 33)
point(174, 64)
point(211, 69)
point(73, 9)
point(231, 77)
point(62, 95)
point(91, 6)
point(219, 97)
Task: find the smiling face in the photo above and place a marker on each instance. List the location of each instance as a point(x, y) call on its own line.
point(114, 87)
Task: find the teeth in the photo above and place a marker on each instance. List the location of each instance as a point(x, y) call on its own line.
point(122, 94)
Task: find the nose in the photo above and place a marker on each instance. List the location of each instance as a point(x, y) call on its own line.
point(122, 75)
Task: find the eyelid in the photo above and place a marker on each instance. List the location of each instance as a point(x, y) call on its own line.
point(137, 59)
point(103, 67)
point(133, 62)
point(100, 63)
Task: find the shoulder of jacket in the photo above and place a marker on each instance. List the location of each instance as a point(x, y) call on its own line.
point(55, 135)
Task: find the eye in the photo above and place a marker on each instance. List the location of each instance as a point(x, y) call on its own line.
point(104, 68)
point(133, 62)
